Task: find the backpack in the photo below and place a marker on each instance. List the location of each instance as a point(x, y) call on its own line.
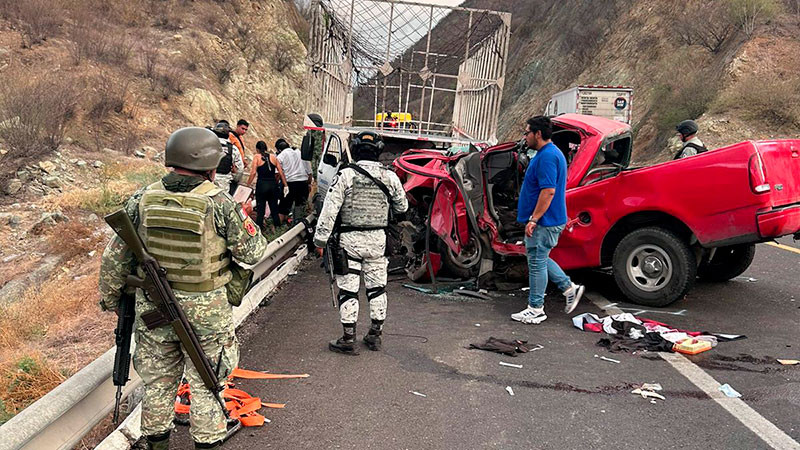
point(698, 148)
point(226, 163)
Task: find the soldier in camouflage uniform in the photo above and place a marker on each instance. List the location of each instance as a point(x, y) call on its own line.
point(193, 229)
point(364, 210)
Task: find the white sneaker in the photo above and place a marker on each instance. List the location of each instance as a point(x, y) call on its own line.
point(530, 315)
point(573, 295)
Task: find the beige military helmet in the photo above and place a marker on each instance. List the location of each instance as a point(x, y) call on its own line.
point(193, 148)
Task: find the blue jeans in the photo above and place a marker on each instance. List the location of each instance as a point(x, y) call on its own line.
point(541, 267)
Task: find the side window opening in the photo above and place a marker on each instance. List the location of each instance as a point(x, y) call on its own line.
point(608, 158)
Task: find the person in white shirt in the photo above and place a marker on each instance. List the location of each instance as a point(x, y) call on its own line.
point(298, 179)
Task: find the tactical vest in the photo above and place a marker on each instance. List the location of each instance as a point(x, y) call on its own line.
point(178, 230)
point(367, 208)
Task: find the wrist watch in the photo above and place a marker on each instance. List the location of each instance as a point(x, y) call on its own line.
point(531, 219)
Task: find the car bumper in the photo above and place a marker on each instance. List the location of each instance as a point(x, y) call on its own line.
point(779, 223)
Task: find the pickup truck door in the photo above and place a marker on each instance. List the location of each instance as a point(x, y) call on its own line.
point(587, 218)
point(333, 156)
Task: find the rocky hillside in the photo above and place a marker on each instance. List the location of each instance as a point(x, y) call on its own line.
point(732, 64)
point(715, 61)
point(89, 92)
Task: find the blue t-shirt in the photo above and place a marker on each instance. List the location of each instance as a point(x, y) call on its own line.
point(548, 169)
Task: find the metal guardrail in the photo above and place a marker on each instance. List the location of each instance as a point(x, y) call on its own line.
point(61, 418)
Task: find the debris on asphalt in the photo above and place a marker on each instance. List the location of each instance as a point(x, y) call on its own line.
point(510, 391)
point(419, 394)
point(729, 391)
point(649, 391)
point(508, 347)
point(477, 324)
point(518, 366)
point(538, 347)
point(607, 359)
point(422, 289)
point(789, 362)
point(748, 279)
point(692, 346)
point(527, 288)
point(472, 294)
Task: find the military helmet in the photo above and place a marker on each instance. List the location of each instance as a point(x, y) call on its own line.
point(193, 148)
point(368, 140)
point(687, 127)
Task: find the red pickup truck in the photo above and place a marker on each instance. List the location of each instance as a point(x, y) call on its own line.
point(658, 228)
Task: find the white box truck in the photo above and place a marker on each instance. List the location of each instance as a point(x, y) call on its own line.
point(611, 102)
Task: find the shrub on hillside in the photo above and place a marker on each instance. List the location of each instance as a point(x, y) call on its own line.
point(109, 98)
point(34, 112)
point(98, 42)
point(709, 26)
point(747, 14)
point(765, 98)
point(284, 53)
point(36, 20)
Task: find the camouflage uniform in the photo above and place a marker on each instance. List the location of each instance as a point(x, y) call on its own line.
point(318, 139)
point(362, 205)
point(159, 359)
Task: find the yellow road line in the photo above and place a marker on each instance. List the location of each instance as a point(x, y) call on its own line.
point(784, 247)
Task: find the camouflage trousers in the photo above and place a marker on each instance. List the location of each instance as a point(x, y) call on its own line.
point(161, 363)
point(365, 256)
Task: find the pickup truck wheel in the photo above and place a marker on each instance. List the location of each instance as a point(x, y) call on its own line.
point(728, 262)
point(465, 264)
point(653, 267)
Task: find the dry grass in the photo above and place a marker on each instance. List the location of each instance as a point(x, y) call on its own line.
point(74, 238)
point(766, 98)
point(53, 331)
point(23, 380)
point(119, 181)
point(45, 306)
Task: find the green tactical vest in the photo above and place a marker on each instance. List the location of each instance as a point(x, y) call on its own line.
point(179, 232)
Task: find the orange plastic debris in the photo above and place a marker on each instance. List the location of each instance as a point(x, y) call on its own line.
point(239, 403)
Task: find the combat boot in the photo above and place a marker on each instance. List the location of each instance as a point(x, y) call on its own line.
point(158, 441)
point(347, 343)
point(213, 445)
point(373, 337)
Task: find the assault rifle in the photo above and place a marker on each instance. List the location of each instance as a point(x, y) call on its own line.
point(126, 314)
point(168, 310)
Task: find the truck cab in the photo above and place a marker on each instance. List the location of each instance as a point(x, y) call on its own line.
point(657, 228)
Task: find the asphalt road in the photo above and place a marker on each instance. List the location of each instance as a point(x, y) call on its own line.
point(564, 396)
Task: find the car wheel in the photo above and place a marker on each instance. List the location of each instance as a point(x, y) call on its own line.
point(466, 263)
point(653, 267)
point(728, 262)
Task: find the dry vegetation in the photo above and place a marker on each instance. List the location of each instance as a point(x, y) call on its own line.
point(111, 74)
point(63, 310)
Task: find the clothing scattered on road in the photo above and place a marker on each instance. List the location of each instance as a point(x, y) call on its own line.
point(630, 333)
point(510, 347)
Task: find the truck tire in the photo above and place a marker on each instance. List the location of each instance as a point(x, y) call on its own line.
point(728, 262)
point(653, 267)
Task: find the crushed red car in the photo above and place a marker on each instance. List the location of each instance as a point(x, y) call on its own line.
point(657, 228)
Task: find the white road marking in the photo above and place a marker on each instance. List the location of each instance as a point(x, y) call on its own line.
point(763, 428)
point(636, 311)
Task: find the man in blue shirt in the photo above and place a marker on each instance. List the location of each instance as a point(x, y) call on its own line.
point(543, 206)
